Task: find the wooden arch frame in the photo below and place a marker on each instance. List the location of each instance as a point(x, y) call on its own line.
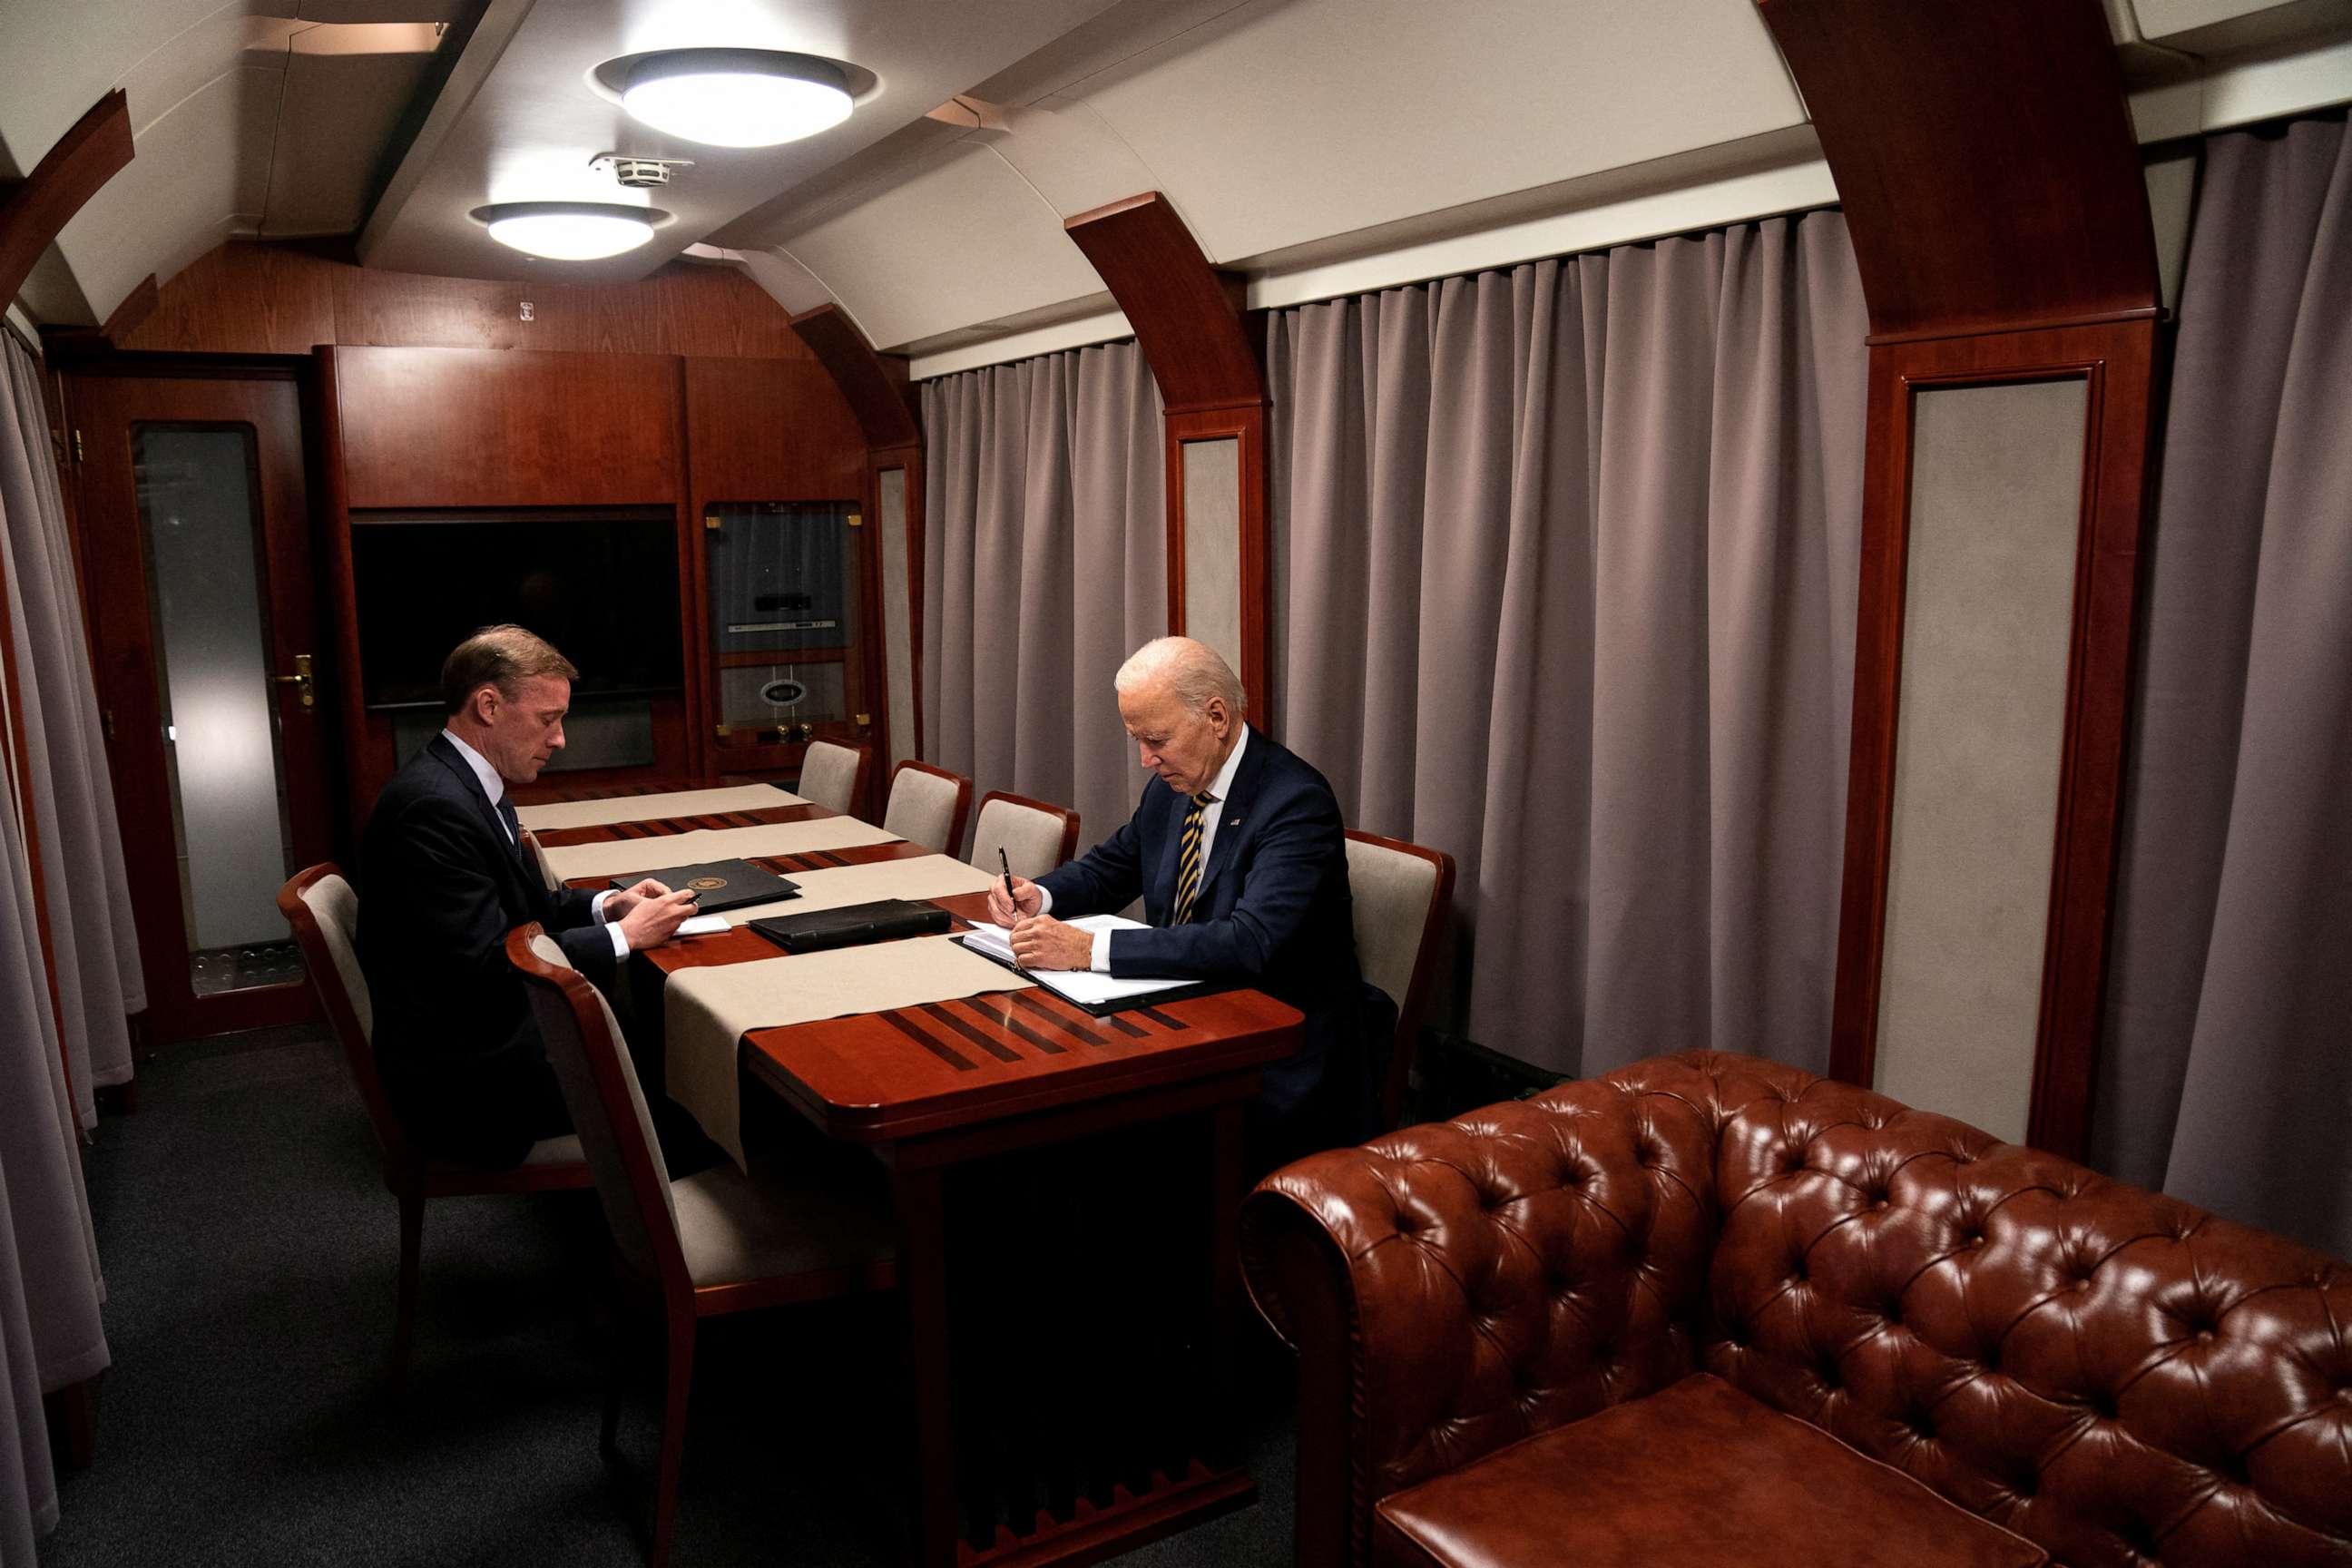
point(1994, 248)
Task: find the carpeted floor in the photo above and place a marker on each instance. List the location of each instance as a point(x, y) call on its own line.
point(249, 1251)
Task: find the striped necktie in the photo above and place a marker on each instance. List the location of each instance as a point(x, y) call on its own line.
point(1188, 859)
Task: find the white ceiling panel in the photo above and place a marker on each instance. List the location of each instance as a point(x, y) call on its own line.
point(201, 174)
point(345, 89)
point(63, 55)
point(1319, 117)
point(531, 130)
point(964, 239)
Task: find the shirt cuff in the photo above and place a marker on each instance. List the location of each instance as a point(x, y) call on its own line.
point(596, 904)
point(1044, 900)
point(1101, 964)
point(620, 940)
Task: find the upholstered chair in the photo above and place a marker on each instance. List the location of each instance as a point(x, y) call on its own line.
point(927, 806)
point(834, 777)
point(1400, 892)
point(325, 914)
point(715, 1242)
point(1035, 836)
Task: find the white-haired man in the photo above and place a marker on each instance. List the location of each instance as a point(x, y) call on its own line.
point(1242, 870)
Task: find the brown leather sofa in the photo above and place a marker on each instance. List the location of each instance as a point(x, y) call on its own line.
point(1710, 1309)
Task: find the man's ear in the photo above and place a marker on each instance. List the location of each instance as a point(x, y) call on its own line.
point(1220, 718)
point(483, 702)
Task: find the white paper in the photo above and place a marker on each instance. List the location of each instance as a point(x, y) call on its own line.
point(702, 925)
point(1083, 986)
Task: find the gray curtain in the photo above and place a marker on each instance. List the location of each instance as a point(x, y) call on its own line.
point(2226, 1073)
point(70, 794)
point(50, 1288)
point(1044, 565)
point(1564, 570)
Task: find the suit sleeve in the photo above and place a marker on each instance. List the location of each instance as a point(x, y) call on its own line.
point(1104, 879)
point(455, 897)
point(1295, 850)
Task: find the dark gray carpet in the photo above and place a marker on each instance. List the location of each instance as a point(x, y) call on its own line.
point(250, 1251)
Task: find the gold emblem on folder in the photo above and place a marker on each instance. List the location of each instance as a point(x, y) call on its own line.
point(706, 884)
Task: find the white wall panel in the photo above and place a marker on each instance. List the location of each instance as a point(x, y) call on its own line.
point(963, 240)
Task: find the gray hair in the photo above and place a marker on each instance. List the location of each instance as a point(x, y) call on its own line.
point(1194, 672)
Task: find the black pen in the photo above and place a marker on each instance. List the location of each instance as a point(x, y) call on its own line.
point(1015, 904)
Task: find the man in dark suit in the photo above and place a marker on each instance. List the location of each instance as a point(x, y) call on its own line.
point(444, 876)
point(1242, 870)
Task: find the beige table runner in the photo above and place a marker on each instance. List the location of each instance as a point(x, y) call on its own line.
point(704, 844)
point(706, 1012)
point(654, 807)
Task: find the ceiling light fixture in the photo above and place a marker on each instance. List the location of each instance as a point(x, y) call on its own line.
point(569, 231)
point(737, 97)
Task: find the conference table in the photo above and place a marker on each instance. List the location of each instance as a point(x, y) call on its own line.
point(958, 1091)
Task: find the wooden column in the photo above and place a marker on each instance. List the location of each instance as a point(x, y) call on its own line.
point(879, 393)
point(1984, 155)
point(1188, 320)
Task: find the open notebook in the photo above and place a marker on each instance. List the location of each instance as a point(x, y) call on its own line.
point(1095, 992)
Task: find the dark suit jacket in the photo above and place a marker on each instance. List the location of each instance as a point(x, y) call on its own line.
point(440, 888)
point(1272, 912)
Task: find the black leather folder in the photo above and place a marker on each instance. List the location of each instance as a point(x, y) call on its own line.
point(853, 924)
point(721, 884)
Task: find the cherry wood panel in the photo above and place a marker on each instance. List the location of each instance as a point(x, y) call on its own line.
point(767, 429)
point(1187, 316)
point(909, 459)
point(1984, 155)
point(1245, 425)
point(255, 297)
point(467, 428)
point(34, 209)
point(2118, 362)
point(875, 384)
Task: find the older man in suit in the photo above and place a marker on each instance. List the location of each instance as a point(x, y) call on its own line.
point(444, 876)
point(1238, 854)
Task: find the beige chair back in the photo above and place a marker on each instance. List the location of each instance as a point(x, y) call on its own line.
point(547, 876)
point(830, 776)
point(927, 807)
point(1035, 836)
point(608, 1104)
point(1401, 891)
point(324, 913)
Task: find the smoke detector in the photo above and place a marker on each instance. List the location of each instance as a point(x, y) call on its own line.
point(639, 173)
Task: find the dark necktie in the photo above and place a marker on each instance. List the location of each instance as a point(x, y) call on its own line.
point(514, 828)
point(1188, 859)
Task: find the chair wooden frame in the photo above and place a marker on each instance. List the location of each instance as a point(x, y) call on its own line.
point(672, 1293)
point(959, 818)
point(1410, 1005)
point(1070, 819)
point(408, 1174)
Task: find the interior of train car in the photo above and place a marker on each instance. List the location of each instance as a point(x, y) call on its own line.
point(1000, 783)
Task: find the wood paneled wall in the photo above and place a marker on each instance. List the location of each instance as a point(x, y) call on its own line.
point(253, 297)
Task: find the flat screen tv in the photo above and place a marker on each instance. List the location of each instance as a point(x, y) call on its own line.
point(600, 586)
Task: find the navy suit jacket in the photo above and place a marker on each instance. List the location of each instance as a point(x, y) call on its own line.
point(440, 885)
point(1272, 912)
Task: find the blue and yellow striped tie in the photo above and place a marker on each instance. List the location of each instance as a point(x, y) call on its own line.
point(1188, 859)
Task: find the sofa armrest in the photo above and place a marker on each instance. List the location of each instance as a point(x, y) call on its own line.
point(1456, 1287)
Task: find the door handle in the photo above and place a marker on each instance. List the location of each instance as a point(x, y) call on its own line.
point(304, 687)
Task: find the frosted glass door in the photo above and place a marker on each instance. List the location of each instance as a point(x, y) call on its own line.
point(199, 517)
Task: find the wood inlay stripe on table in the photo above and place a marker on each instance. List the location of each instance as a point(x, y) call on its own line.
point(1162, 1019)
point(993, 1047)
point(922, 1037)
point(1069, 1019)
point(996, 1006)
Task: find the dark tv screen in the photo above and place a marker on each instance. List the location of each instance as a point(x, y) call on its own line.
point(604, 590)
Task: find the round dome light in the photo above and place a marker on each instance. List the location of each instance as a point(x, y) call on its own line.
point(569, 231)
point(737, 97)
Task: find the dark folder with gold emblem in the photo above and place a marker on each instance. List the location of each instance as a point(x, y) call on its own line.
point(721, 884)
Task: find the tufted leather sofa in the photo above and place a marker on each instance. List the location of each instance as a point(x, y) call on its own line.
point(1714, 1310)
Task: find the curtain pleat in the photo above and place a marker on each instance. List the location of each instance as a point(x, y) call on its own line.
point(87, 887)
point(1044, 565)
point(51, 1290)
point(2224, 1073)
point(1563, 565)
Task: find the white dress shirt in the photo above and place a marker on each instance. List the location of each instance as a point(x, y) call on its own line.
point(1219, 787)
point(496, 788)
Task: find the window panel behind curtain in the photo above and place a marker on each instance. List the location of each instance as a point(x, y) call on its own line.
point(1044, 565)
point(1564, 570)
